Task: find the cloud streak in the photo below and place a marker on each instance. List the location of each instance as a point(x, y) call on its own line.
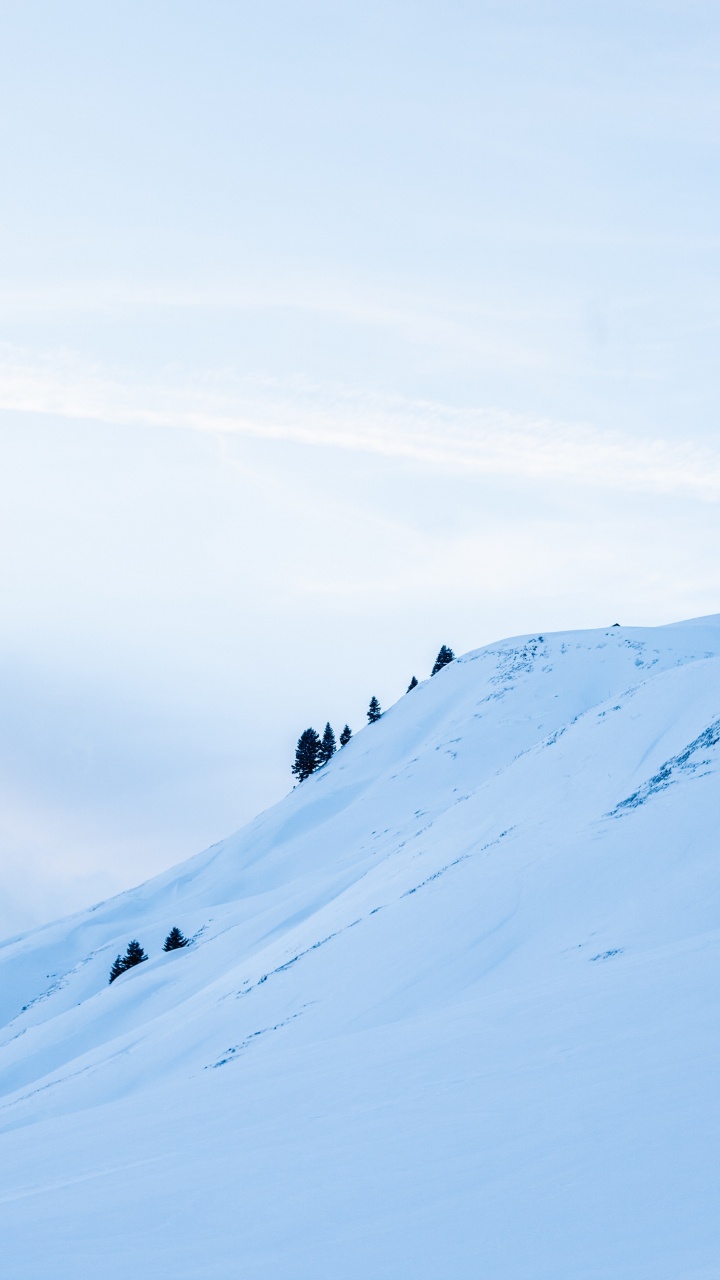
point(483, 441)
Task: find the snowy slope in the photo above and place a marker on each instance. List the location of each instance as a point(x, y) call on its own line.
point(451, 1007)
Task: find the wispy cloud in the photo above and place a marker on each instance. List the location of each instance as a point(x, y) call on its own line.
point(483, 330)
point(484, 441)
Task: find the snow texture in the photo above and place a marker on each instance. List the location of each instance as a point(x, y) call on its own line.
point(449, 1011)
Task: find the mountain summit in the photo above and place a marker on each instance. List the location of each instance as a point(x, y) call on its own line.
point(447, 1011)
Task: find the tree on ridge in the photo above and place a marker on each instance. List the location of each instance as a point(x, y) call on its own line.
point(374, 712)
point(445, 656)
point(175, 939)
point(307, 754)
point(134, 955)
point(327, 746)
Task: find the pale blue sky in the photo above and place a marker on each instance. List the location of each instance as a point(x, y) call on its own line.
point(329, 333)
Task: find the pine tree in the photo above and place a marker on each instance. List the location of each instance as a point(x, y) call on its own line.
point(134, 954)
point(327, 746)
point(345, 736)
point(307, 754)
point(412, 684)
point(175, 939)
point(445, 655)
point(374, 712)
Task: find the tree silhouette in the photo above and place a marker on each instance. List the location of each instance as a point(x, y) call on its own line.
point(445, 656)
point(134, 954)
point(175, 939)
point(327, 746)
point(307, 754)
point(374, 712)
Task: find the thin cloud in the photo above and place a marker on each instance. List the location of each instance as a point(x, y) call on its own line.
point(483, 441)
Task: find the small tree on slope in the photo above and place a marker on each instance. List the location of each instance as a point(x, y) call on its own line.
point(445, 656)
point(327, 746)
point(412, 684)
point(134, 954)
point(345, 735)
point(307, 754)
point(175, 939)
point(374, 712)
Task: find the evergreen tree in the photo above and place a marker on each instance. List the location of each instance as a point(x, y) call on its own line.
point(307, 754)
point(134, 955)
point(345, 736)
point(412, 684)
point(175, 939)
point(374, 712)
point(327, 746)
point(445, 655)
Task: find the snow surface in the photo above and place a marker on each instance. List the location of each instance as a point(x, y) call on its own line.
point(450, 1009)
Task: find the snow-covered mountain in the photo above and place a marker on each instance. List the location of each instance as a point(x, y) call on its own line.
point(451, 1009)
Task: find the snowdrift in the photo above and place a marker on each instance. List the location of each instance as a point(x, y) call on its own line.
point(450, 1009)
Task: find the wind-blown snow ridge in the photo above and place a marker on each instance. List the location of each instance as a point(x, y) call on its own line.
point(443, 1015)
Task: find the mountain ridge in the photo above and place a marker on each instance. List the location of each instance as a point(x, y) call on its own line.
point(469, 867)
